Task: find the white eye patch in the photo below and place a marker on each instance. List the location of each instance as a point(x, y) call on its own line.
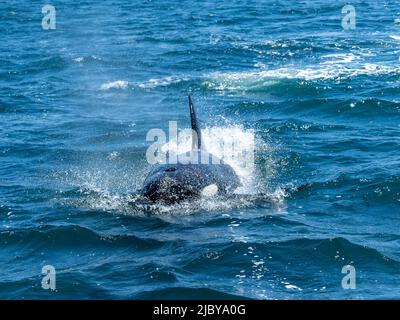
point(210, 190)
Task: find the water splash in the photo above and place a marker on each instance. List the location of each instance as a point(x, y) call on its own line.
point(106, 186)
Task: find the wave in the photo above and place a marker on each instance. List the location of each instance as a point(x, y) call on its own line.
point(373, 186)
point(260, 80)
point(161, 82)
point(328, 251)
point(70, 236)
point(339, 58)
point(186, 293)
point(333, 67)
point(119, 84)
point(152, 83)
point(83, 59)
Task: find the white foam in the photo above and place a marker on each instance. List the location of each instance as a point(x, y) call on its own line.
point(239, 81)
point(334, 66)
point(119, 84)
point(327, 70)
point(161, 82)
point(277, 43)
point(292, 287)
point(113, 155)
point(341, 58)
point(395, 37)
point(82, 59)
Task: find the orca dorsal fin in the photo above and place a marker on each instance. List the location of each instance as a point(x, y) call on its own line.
point(196, 131)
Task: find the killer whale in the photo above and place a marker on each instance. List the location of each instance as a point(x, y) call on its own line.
point(202, 175)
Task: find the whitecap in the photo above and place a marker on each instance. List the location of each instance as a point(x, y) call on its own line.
point(292, 287)
point(339, 58)
point(160, 82)
point(119, 84)
point(83, 59)
point(257, 80)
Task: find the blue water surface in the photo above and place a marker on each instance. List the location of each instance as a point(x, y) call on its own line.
point(322, 101)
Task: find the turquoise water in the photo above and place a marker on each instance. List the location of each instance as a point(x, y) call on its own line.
point(323, 105)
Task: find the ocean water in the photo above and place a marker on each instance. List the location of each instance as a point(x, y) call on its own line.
point(321, 102)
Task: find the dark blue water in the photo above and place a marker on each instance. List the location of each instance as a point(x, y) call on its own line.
point(323, 103)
